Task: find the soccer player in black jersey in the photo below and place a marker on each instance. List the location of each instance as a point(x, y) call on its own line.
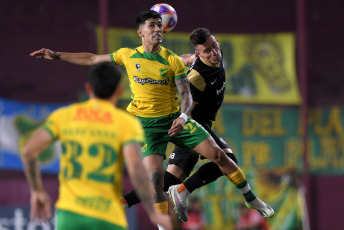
point(207, 84)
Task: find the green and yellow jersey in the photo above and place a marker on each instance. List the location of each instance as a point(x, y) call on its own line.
point(152, 80)
point(92, 135)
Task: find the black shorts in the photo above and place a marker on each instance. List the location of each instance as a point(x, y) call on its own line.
point(187, 160)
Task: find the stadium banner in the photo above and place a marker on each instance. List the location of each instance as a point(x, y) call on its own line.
point(270, 137)
point(18, 217)
point(267, 142)
point(262, 137)
point(17, 122)
point(260, 68)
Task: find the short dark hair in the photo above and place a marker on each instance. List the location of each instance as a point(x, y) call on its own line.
point(143, 16)
point(104, 79)
point(199, 36)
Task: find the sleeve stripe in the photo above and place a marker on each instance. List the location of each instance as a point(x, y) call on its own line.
point(197, 80)
point(112, 59)
point(180, 76)
point(50, 132)
point(132, 141)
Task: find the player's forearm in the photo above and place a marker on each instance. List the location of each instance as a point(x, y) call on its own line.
point(32, 173)
point(141, 183)
point(39, 141)
point(76, 58)
point(183, 86)
point(138, 175)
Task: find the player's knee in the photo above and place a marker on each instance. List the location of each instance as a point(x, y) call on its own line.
point(219, 157)
point(233, 157)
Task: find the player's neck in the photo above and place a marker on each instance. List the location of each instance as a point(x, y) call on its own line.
point(210, 64)
point(151, 48)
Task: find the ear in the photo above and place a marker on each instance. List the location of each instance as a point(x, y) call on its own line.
point(116, 95)
point(88, 89)
point(119, 90)
point(197, 52)
point(218, 43)
point(139, 32)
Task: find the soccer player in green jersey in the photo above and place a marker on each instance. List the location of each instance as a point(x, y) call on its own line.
point(96, 138)
point(155, 73)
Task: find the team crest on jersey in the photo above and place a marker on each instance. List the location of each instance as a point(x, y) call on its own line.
point(138, 66)
point(163, 72)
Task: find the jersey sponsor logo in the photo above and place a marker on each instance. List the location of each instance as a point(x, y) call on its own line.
point(151, 81)
point(95, 202)
point(222, 89)
point(93, 115)
point(163, 72)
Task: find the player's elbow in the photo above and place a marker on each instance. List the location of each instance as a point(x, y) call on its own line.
point(27, 152)
point(92, 60)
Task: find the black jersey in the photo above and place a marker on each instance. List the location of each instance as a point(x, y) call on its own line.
point(207, 88)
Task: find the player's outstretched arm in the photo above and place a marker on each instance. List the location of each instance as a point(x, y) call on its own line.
point(74, 58)
point(40, 201)
point(140, 181)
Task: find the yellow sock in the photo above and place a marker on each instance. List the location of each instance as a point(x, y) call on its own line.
point(161, 207)
point(236, 177)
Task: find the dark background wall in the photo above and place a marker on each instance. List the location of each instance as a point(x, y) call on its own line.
point(65, 25)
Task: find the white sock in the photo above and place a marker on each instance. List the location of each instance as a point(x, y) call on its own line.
point(257, 203)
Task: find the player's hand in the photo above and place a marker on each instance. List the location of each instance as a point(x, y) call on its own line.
point(44, 53)
point(40, 206)
point(162, 220)
point(177, 127)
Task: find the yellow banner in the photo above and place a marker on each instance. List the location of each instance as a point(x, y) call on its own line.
point(260, 68)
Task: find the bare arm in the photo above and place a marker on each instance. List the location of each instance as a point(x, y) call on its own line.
point(188, 58)
point(183, 86)
point(140, 181)
point(40, 202)
point(74, 58)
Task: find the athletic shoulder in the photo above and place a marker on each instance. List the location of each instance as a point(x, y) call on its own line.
point(170, 55)
point(131, 129)
point(126, 118)
point(125, 51)
point(122, 55)
point(196, 80)
point(167, 52)
point(63, 110)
